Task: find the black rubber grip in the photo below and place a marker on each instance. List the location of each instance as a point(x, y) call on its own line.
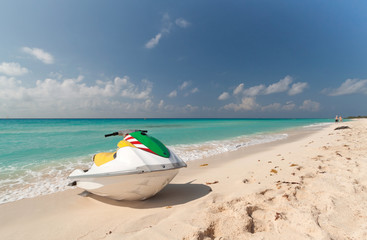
point(111, 134)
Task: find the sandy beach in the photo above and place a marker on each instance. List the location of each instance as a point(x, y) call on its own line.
point(309, 186)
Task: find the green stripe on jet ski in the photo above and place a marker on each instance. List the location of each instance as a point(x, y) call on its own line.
point(152, 143)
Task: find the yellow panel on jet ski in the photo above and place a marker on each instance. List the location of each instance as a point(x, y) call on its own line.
point(102, 158)
point(124, 143)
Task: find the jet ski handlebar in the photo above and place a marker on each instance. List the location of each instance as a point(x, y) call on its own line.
point(111, 134)
point(125, 132)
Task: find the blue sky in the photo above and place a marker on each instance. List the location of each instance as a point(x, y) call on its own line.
point(183, 58)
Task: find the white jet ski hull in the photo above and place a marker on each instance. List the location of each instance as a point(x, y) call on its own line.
point(134, 175)
point(129, 187)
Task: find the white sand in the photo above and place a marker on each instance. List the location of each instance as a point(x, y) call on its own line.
point(312, 187)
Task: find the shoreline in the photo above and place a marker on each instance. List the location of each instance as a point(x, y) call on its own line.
point(51, 177)
point(259, 184)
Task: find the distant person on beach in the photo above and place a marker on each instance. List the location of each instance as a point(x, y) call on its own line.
point(340, 119)
point(336, 118)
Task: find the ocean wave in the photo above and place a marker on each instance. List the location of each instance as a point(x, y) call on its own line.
point(190, 152)
point(33, 181)
point(318, 125)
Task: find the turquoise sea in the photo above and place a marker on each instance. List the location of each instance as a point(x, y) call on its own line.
point(37, 155)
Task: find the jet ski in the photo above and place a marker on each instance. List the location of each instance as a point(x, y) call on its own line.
point(139, 168)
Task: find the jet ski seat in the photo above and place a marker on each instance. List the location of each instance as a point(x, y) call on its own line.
point(105, 157)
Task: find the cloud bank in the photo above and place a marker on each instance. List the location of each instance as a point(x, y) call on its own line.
point(250, 104)
point(73, 97)
point(283, 85)
point(248, 100)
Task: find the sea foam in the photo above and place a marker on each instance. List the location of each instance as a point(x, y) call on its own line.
point(190, 152)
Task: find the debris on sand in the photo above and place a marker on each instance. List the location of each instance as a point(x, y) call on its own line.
point(342, 127)
point(209, 183)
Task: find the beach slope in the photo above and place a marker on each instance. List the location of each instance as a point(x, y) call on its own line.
point(309, 186)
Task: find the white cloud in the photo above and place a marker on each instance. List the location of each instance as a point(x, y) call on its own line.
point(173, 94)
point(249, 103)
point(289, 106)
point(311, 106)
point(73, 97)
point(182, 23)
point(297, 88)
point(10, 89)
point(223, 96)
point(12, 69)
point(194, 90)
point(56, 75)
point(166, 23)
point(40, 54)
point(183, 88)
point(154, 41)
point(132, 91)
point(148, 104)
point(280, 86)
point(161, 104)
point(283, 85)
point(184, 85)
point(246, 104)
point(254, 91)
point(166, 29)
point(350, 86)
point(190, 108)
point(238, 89)
point(279, 107)
point(272, 107)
